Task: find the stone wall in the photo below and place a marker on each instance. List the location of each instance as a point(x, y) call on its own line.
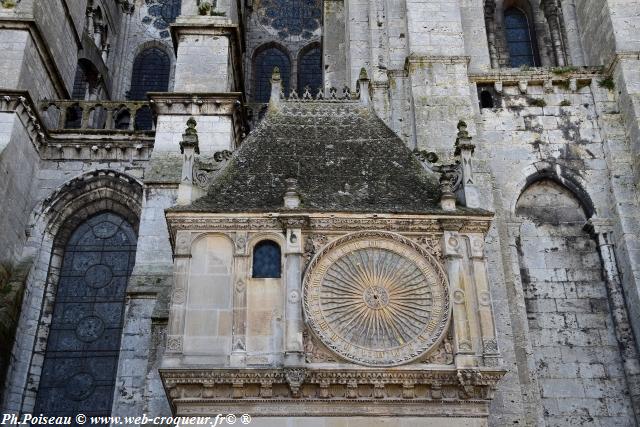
point(580, 372)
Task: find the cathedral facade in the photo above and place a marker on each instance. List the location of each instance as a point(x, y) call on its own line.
point(321, 212)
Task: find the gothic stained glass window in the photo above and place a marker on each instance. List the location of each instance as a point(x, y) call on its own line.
point(264, 63)
point(81, 360)
point(266, 260)
point(519, 35)
point(290, 19)
point(151, 70)
point(161, 13)
point(310, 71)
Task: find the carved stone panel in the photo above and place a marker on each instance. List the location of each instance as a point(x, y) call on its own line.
point(376, 299)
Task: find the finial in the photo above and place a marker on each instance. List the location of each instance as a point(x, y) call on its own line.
point(275, 75)
point(276, 86)
point(449, 175)
point(190, 137)
point(463, 140)
point(291, 196)
point(363, 87)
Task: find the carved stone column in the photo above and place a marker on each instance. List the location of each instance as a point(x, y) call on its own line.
point(189, 147)
point(239, 329)
point(490, 352)
point(624, 334)
point(550, 9)
point(453, 248)
point(489, 22)
point(294, 323)
point(177, 309)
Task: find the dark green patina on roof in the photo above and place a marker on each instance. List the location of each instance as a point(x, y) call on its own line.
point(344, 157)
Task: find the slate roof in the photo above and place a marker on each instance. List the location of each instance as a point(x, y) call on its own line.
point(344, 157)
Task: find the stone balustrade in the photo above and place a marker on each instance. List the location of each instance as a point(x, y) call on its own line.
point(112, 116)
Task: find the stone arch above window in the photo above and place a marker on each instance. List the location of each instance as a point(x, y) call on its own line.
point(310, 69)
point(520, 37)
point(267, 260)
point(265, 60)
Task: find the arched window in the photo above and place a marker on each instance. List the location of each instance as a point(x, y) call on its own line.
point(520, 38)
point(263, 64)
point(81, 358)
point(266, 260)
point(310, 70)
point(85, 84)
point(151, 70)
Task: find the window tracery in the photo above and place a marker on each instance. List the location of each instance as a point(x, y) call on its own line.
point(290, 19)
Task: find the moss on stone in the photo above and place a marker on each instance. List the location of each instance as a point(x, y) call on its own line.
point(344, 157)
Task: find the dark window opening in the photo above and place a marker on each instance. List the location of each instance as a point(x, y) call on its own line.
point(264, 64)
point(310, 71)
point(266, 260)
point(73, 119)
point(486, 99)
point(520, 38)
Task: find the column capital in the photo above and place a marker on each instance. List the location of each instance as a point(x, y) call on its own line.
point(597, 225)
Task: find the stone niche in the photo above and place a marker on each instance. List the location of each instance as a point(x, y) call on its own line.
point(393, 311)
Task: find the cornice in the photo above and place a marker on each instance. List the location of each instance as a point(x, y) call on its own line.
point(20, 103)
point(314, 222)
point(513, 76)
point(304, 391)
point(182, 103)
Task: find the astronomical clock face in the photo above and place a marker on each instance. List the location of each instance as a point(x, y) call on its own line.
point(376, 299)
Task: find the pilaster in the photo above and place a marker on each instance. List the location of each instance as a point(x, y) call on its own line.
point(294, 323)
point(239, 329)
point(453, 247)
point(602, 230)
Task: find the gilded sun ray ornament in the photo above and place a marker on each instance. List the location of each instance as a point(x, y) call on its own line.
point(376, 299)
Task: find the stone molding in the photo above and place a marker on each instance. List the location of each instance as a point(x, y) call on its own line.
point(20, 102)
point(305, 391)
point(322, 222)
point(75, 144)
point(203, 104)
point(536, 76)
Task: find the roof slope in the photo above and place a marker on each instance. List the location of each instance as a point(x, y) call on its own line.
point(344, 157)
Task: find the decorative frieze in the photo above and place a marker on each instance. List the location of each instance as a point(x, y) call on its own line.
point(324, 224)
point(280, 391)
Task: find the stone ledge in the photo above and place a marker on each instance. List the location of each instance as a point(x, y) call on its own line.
point(358, 391)
point(513, 76)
